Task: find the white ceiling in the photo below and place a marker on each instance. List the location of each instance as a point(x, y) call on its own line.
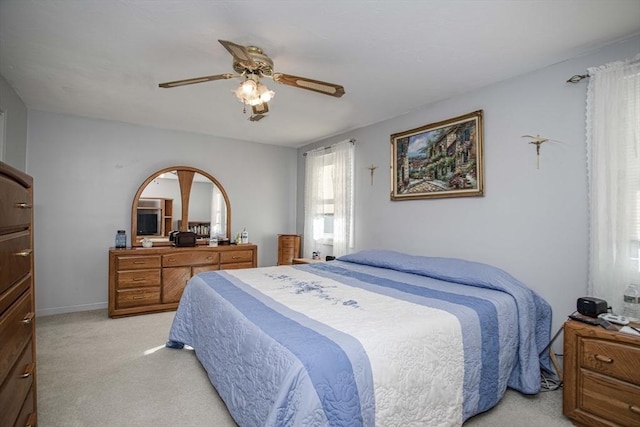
point(105, 58)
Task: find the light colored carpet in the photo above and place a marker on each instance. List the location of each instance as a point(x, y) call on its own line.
point(96, 371)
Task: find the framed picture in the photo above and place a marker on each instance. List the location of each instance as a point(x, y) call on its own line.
point(438, 160)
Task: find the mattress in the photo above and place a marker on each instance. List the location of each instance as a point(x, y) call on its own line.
point(375, 338)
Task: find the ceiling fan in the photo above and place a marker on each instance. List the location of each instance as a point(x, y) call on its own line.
point(251, 64)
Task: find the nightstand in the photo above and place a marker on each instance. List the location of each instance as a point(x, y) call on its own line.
point(288, 248)
point(601, 376)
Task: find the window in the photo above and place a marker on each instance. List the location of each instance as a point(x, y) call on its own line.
point(329, 198)
point(613, 150)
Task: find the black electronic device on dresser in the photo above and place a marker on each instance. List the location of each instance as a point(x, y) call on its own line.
point(183, 239)
point(590, 306)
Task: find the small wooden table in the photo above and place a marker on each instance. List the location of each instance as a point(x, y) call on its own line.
point(601, 378)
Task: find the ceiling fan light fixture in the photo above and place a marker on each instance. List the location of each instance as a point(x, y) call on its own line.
point(248, 87)
point(252, 92)
point(264, 93)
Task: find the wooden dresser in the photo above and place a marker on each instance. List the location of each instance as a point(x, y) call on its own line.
point(288, 248)
point(601, 376)
point(17, 307)
point(151, 280)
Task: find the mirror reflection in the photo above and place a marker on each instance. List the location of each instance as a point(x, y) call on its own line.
point(176, 193)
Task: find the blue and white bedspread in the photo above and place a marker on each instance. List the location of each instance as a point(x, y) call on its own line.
point(373, 338)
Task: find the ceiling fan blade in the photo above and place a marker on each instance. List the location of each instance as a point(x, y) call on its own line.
point(196, 80)
point(239, 53)
point(310, 84)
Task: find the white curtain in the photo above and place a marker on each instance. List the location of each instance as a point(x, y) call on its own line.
point(329, 194)
point(613, 157)
point(218, 225)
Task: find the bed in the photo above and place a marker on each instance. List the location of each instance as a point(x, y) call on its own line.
point(374, 338)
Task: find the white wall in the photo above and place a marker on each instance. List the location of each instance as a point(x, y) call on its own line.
point(86, 173)
point(531, 223)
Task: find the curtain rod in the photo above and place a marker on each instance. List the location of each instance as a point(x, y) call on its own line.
point(578, 77)
point(352, 140)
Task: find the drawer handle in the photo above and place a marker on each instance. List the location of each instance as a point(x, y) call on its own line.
point(138, 297)
point(24, 205)
point(603, 359)
point(209, 258)
point(28, 318)
point(138, 262)
point(24, 253)
point(172, 260)
point(138, 279)
point(235, 257)
point(28, 371)
point(635, 409)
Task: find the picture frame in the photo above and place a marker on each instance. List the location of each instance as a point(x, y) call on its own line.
point(439, 160)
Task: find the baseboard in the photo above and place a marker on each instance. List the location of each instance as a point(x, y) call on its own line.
point(70, 309)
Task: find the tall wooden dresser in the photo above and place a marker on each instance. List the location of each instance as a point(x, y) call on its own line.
point(601, 376)
point(17, 307)
point(288, 248)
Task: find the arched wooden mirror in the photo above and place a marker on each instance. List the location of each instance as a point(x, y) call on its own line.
point(179, 198)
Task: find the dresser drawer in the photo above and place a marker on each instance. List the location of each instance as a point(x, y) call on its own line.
point(288, 243)
point(13, 293)
point(235, 257)
point(16, 327)
point(190, 258)
point(138, 262)
point(204, 268)
point(27, 416)
point(16, 388)
point(15, 258)
point(610, 399)
point(618, 360)
point(138, 278)
point(15, 209)
point(174, 280)
point(136, 297)
point(236, 265)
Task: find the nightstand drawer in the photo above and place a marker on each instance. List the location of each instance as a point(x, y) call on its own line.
point(138, 262)
point(137, 297)
point(614, 359)
point(138, 278)
point(610, 399)
point(189, 258)
point(235, 257)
